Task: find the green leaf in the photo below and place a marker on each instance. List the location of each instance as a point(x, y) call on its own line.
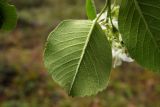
point(139, 24)
point(91, 9)
point(8, 16)
point(78, 56)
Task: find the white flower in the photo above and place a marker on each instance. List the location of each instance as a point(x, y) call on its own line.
point(118, 51)
point(119, 56)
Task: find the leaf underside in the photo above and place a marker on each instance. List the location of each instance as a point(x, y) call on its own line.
point(78, 57)
point(8, 16)
point(139, 24)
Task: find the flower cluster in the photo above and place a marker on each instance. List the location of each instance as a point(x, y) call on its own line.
point(110, 26)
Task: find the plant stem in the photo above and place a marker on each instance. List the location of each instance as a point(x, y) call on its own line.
point(102, 11)
point(109, 12)
point(110, 15)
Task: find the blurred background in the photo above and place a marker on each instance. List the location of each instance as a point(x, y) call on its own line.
point(24, 82)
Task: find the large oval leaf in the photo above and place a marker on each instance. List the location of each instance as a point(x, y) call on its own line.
point(8, 16)
point(79, 58)
point(139, 24)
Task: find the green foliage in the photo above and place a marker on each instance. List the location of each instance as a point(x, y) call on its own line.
point(78, 55)
point(8, 16)
point(91, 9)
point(139, 24)
point(82, 57)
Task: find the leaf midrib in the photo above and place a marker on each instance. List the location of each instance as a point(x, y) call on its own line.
point(82, 55)
point(146, 24)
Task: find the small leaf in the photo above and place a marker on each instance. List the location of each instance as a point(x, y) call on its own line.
point(91, 9)
point(139, 24)
point(78, 56)
point(8, 16)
